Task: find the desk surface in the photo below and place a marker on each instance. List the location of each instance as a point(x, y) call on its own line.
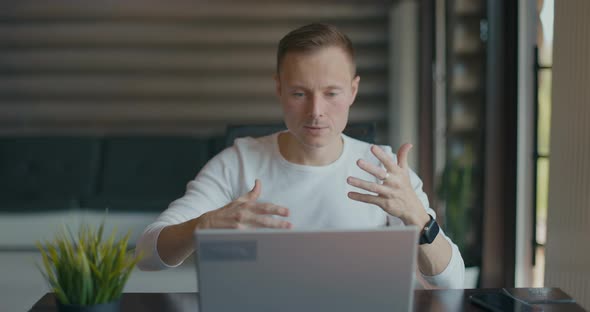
point(424, 300)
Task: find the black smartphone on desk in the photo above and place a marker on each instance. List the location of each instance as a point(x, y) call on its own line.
point(500, 302)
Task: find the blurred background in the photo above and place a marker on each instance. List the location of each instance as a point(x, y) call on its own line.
point(117, 105)
point(184, 67)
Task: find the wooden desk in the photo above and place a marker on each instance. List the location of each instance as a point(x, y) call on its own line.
point(424, 300)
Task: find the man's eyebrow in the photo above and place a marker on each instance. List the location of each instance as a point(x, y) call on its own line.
point(297, 86)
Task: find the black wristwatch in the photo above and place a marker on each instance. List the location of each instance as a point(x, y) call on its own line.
point(429, 232)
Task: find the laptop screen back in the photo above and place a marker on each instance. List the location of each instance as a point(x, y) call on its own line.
point(303, 270)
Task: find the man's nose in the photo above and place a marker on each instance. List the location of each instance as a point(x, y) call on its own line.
point(316, 106)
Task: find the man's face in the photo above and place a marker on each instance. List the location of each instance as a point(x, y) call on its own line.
point(316, 90)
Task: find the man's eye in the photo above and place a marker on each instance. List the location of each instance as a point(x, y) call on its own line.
point(298, 94)
point(332, 94)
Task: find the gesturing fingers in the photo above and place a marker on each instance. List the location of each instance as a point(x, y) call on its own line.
point(402, 155)
point(368, 186)
point(247, 218)
point(378, 172)
point(367, 198)
point(270, 209)
point(257, 215)
point(394, 194)
point(253, 194)
point(384, 158)
point(262, 221)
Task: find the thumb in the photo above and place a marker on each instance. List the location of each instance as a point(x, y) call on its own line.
point(254, 193)
point(402, 155)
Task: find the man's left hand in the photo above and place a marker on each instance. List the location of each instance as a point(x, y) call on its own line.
point(394, 194)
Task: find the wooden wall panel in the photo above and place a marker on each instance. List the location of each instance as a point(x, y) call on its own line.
point(174, 67)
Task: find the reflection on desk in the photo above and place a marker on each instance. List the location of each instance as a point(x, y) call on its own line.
point(549, 299)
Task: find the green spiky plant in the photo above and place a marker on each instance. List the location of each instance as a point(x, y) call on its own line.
point(85, 269)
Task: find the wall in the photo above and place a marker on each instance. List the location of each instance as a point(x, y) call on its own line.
point(568, 219)
point(527, 25)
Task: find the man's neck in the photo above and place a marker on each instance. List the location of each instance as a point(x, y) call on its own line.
point(296, 152)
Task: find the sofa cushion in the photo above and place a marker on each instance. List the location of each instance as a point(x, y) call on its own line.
point(147, 173)
point(38, 170)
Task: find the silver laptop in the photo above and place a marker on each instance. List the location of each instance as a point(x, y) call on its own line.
point(306, 270)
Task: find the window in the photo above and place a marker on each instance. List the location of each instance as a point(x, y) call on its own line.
point(543, 71)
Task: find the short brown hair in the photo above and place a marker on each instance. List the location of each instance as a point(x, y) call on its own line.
point(312, 37)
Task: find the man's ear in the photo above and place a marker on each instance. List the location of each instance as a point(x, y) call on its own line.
point(277, 84)
point(355, 87)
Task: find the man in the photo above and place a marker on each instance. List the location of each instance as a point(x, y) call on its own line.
point(309, 176)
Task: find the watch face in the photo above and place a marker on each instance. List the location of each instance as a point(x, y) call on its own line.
point(430, 231)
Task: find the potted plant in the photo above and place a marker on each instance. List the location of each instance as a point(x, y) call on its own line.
point(85, 272)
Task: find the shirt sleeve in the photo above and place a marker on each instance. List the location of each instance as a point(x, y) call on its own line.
point(453, 275)
point(210, 190)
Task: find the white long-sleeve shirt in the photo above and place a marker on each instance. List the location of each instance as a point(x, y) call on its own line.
point(315, 195)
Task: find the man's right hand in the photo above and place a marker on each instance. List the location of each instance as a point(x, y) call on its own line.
point(244, 213)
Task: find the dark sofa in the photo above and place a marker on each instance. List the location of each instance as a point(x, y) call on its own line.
point(139, 174)
point(119, 173)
